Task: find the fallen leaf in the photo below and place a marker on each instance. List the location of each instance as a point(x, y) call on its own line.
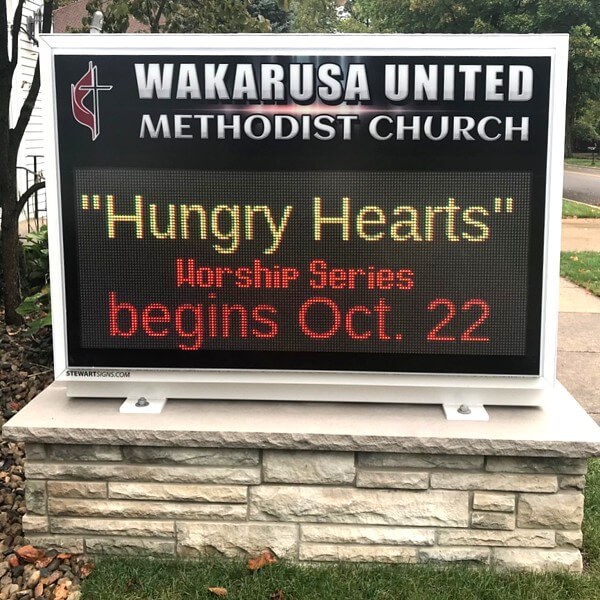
point(218, 591)
point(64, 556)
point(61, 592)
point(29, 553)
point(131, 583)
point(43, 562)
point(277, 595)
point(266, 557)
point(39, 590)
point(86, 569)
point(55, 576)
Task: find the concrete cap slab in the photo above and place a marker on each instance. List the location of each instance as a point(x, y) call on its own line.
point(559, 428)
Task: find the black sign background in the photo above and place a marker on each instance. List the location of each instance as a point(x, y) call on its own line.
point(119, 147)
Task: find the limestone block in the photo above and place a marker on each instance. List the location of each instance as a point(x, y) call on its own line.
point(187, 492)
point(419, 461)
point(353, 505)
point(569, 538)
point(57, 542)
point(128, 527)
point(572, 482)
point(35, 451)
point(536, 559)
point(239, 539)
point(35, 524)
point(402, 480)
point(494, 481)
point(129, 546)
point(300, 466)
point(520, 537)
point(492, 520)
point(35, 497)
point(350, 553)
point(523, 464)
point(214, 457)
point(77, 489)
point(77, 452)
point(460, 554)
point(558, 511)
point(494, 502)
point(365, 534)
point(125, 472)
point(63, 507)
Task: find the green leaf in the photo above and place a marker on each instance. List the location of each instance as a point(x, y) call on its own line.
point(27, 307)
point(40, 323)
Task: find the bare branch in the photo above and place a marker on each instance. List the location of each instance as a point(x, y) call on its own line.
point(15, 29)
point(16, 134)
point(36, 187)
point(3, 37)
point(159, 12)
point(47, 16)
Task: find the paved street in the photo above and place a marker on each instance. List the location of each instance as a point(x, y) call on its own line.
point(583, 184)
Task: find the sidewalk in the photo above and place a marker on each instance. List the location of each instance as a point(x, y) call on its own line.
point(579, 324)
point(581, 234)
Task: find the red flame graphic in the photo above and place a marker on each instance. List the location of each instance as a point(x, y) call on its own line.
point(81, 112)
point(88, 85)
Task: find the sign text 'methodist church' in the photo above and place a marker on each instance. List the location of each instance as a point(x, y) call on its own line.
point(332, 86)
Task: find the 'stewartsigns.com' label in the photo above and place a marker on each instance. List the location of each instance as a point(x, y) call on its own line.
point(101, 374)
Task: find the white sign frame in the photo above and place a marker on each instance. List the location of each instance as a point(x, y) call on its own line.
point(311, 386)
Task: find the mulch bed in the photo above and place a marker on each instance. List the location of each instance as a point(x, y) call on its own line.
point(27, 572)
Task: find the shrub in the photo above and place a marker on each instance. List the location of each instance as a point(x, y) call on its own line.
point(36, 304)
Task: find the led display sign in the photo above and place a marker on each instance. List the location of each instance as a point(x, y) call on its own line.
point(361, 204)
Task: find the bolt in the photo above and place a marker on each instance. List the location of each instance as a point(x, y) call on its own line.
point(463, 409)
point(142, 402)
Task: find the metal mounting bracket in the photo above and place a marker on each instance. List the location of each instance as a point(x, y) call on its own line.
point(464, 412)
point(142, 405)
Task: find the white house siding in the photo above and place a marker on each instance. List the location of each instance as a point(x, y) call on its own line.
point(33, 140)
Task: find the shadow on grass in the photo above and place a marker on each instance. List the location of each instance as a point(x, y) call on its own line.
point(579, 210)
point(177, 580)
point(582, 268)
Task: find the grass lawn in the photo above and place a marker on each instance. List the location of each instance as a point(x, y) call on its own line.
point(583, 162)
point(144, 579)
point(582, 268)
point(578, 210)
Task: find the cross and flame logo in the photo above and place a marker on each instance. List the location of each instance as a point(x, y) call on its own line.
point(88, 115)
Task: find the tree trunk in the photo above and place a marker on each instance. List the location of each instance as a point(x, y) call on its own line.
point(10, 267)
point(569, 124)
point(10, 140)
point(10, 217)
point(10, 237)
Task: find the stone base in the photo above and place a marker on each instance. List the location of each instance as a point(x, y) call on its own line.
point(313, 496)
